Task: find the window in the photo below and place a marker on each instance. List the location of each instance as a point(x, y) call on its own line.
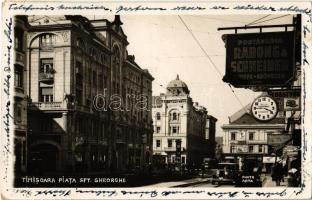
point(175, 129)
point(158, 116)
point(46, 94)
point(17, 112)
point(157, 143)
point(47, 40)
point(18, 76)
point(169, 143)
point(18, 36)
point(79, 96)
point(260, 148)
point(79, 77)
point(78, 67)
point(158, 129)
point(183, 160)
point(233, 136)
point(251, 136)
point(250, 149)
point(174, 116)
point(46, 65)
point(232, 150)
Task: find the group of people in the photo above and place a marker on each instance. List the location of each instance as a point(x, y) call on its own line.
point(279, 171)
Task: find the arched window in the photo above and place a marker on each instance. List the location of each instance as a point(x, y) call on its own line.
point(116, 57)
point(47, 40)
point(174, 116)
point(158, 116)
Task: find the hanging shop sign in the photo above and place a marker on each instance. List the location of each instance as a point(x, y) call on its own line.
point(259, 59)
point(292, 103)
point(285, 93)
point(242, 149)
point(278, 139)
point(289, 99)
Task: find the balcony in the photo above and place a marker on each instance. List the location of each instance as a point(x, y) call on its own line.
point(20, 57)
point(46, 76)
point(47, 106)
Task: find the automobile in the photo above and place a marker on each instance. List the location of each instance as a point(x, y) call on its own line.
point(226, 173)
point(291, 103)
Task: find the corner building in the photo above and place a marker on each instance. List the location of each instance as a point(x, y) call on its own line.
point(76, 67)
point(177, 117)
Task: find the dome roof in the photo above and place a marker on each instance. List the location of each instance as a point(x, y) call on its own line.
point(177, 84)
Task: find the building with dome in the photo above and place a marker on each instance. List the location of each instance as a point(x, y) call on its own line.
point(179, 120)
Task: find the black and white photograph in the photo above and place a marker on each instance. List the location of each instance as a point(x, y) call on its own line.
point(159, 101)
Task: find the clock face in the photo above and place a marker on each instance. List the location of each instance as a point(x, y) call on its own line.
point(264, 108)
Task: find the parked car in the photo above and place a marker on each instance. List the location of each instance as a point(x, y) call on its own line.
point(226, 173)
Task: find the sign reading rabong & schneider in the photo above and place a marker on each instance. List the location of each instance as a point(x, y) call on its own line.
point(259, 59)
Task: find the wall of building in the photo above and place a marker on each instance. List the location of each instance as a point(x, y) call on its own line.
point(84, 137)
point(20, 99)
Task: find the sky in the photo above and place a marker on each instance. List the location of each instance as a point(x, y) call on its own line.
point(163, 45)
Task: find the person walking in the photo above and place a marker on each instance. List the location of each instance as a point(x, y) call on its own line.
point(277, 173)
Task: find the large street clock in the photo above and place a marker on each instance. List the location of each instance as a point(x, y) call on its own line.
point(264, 108)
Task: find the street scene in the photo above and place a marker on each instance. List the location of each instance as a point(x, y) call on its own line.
point(157, 101)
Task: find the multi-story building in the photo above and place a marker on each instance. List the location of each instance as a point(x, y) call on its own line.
point(20, 98)
point(79, 77)
point(177, 118)
point(246, 138)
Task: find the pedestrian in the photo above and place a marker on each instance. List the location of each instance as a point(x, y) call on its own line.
point(276, 174)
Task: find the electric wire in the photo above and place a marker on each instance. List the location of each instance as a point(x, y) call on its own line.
point(257, 20)
point(211, 61)
point(271, 19)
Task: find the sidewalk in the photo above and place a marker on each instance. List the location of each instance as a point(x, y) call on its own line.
point(183, 183)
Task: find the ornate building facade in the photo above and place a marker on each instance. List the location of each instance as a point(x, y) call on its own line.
point(177, 118)
point(84, 89)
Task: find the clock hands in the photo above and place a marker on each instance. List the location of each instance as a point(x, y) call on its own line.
point(263, 108)
point(268, 110)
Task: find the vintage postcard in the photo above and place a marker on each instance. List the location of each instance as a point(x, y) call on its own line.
point(156, 100)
